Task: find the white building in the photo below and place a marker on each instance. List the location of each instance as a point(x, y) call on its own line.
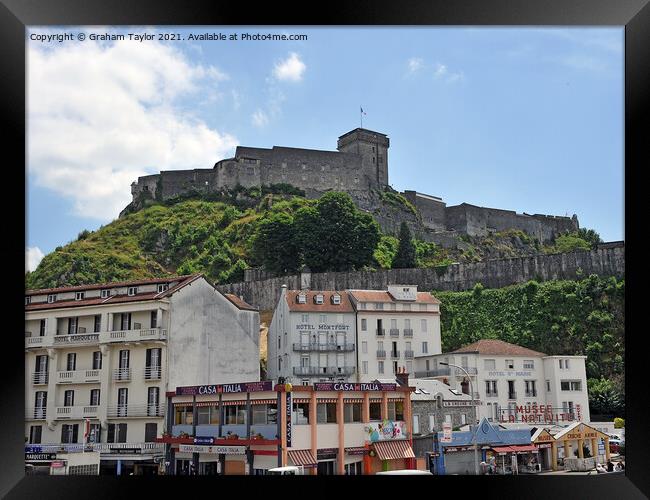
point(312, 337)
point(394, 327)
point(108, 353)
point(515, 384)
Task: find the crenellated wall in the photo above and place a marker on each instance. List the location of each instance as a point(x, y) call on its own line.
point(607, 260)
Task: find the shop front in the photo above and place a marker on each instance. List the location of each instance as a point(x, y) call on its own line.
point(392, 455)
point(544, 441)
point(580, 441)
point(459, 460)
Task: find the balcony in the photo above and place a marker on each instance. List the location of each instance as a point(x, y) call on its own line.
point(439, 372)
point(408, 332)
point(531, 394)
point(491, 394)
point(394, 332)
point(38, 413)
point(323, 347)
point(408, 354)
point(101, 447)
point(381, 354)
point(122, 374)
point(76, 339)
point(134, 335)
point(119, 411)
point(75, 412)
point(394, 355)
point(380, 332)
point(78, 377)
point(39, 378)
point(152, 373)
point(35, 342)
point(322, 371)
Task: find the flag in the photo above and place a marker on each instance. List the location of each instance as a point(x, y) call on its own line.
point(362, 111)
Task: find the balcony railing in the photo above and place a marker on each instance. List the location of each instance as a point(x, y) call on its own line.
point(444, 372)
point(63, 339)
point(101, 447)
point(381, 332)
point(78, 377)
point(37, 341)
point(408, 332)
point(323, 347)
point(75, 412)
point(394, 354)
point(154, 410)
point(323, 370)
point(531, 394)
point(491, 394)
point(134, 335)
point(381, 354)
point(408, 354)
point(37, 413)
point(512, 395)
point(122, 374)
point(394, 332)
point(152, 373)
point(39, 378)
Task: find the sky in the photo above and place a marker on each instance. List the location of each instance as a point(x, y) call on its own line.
point(525, 119)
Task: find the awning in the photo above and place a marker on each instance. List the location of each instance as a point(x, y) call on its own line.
point(302, 457)
point(503, 450)
point(392, 450)
point(528, 448)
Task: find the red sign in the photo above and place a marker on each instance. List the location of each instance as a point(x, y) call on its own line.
point(57, 464)
point(539, 413)
point(201, 390)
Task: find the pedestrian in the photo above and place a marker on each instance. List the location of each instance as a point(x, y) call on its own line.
point(610, 466)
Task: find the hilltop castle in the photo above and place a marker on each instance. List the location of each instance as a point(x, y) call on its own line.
point(360, 168)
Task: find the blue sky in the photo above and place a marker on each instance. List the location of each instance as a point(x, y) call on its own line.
point(527, 119)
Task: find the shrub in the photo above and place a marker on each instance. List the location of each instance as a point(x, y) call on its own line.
point(619, 423)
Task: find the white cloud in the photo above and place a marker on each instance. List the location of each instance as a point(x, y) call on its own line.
point(441, 70)
point(291, 69)
point(100, 115)
point(260, 119)
point(443, 73)
point(33, 257)
point(415, 64)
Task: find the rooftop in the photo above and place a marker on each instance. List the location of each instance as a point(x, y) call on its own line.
point(384, 296)
point(498, 348)
point(310, 303)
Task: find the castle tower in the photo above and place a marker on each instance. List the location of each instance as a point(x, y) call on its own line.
point(373, 148)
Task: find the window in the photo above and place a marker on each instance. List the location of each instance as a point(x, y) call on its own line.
point(79, 295)
point(510, 364)
point(489, 364)
point(319, 298)
point(69, 433)
point(352, 412)
point(51, 298)
point(105, 294)
point(305, 382)
point(379, 305)
point(72, 326)
point(375, 411)
point(40, 399)
point(364, 367)
point(153, 399)
point(423, 325)
point(35, 433)
point(42, 328)
point(380, 366)
point(448, 419)
point(68, 398)
point(94, 397)
point(301, 298)
point(407, 324)
point(42, 363)
point(300, 413)
point(97, 360)
point(570, 385)
point(72, 361)
point(529, 364)
point(561, 363)
point(463, 419)
point(150, 432)
point(183, 415)
point(132, 290)
point(152, 363)
point(116, 433)
point(336, 299)
point(124, 359)
point(305, 318)
point(98, 323)
point(531, 389)
point(394, 366)
point(95, 433)
point(425, 347)
point(354, 469)
point(163, 287)
point(122, 401)
point(395, 410)
point(393, 324)
point(28, 300)
point(326, 413)
point(235, 415)
point(427, 365)
point(364, 347)
point(364, 324)
point(491, 388)
point(154, 319)
point(566, 364)
point(416, 424)
point(511, 390)
point(548, 386)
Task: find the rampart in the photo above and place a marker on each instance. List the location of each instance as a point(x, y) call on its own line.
point(607, 260)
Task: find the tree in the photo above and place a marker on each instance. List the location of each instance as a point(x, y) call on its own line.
point(405, 256)
point(334, 235)
point(604, 397)
point(589, 235)
point(275, 244)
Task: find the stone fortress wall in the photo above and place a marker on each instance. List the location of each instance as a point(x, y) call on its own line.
point(360, 168)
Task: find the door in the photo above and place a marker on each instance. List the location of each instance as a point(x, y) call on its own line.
point(123, 372)
point(461, 462)
point(152, 370)
point(152, 401)
point(122, 401)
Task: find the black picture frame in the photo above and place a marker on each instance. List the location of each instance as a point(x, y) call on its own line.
point(15, 15)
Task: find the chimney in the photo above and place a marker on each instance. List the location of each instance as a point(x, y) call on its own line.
point(402, 377)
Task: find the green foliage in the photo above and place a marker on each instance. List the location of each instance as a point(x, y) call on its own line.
point(555, 317)
point(83, 235)
point(590, 236)
point(385, 251)
point(619, 423)
point(397, 200)
point(275, 245)
point(405, 257)
point(569, 242)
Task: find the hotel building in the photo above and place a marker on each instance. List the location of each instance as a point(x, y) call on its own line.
point(515, 384)
point(100, 358)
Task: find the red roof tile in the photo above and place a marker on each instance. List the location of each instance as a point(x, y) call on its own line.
point(344, 307)
point(384, 296)
point(77, 288)
point(241, 304)
point(498, 348)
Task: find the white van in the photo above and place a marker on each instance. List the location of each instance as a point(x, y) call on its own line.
point(289, 470)
point(404, 472)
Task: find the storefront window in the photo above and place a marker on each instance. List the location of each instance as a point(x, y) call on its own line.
point(326, 413)
point(391, 410)
point(183, 415)
point(235, 415)
point(301, 413)
point(375, 411)
point(352, 412)
point(203, 415)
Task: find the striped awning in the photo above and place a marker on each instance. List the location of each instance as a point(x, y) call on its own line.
point(375, 400)
point(392, 450)
point(302, 457)
point(264, 401)
point(503, 450)
point(301, 400)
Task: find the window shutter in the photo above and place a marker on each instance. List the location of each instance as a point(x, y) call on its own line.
point(111, 433)
point(63, 433)
point(122, 433)
point(75, 433)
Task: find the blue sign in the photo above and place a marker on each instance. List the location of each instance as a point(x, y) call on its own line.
point(203, 440)
point(33, 449)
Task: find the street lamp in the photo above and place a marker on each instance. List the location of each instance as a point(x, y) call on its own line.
point(471, 390)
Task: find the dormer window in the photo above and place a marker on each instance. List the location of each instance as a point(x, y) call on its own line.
point(163, 287)
point(301, 298)
point(132, 290)
point(28, 300)
point(318, 298)
point(105, 294)
point(336, 299)
point(51, 298)
point(79, 295)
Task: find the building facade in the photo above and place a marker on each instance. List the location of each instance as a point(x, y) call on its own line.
point(100, 358)
point(513, 383)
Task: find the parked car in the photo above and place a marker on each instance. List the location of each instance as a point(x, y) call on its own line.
point(615, 444)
